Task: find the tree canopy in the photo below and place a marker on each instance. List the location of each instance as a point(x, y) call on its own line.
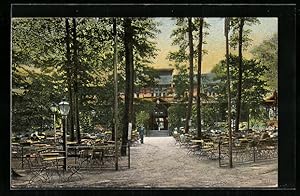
point(41, 69)
point(267, 54)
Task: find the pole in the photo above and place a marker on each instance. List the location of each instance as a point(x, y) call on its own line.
point(199, 78)
point(227, 22)
point(248, 119)
point(54, 129)
point(65, 142)
point(129, 142)
point(116, 92)
point(219, 147)
point(128, 154)
point(22, 157)
point(254, 159)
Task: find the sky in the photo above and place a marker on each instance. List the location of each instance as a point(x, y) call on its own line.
point(215, 40)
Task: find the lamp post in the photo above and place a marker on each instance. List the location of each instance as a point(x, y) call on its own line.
point(53, 110)
point(64, 110)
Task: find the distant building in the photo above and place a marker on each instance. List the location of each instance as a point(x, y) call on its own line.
point(163, 95)
point(165, 86)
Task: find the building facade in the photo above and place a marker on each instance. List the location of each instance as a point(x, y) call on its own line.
point(163, 95)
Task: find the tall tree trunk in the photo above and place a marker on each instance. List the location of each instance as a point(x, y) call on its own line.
point(115, 121)
point(199, 77)
point(239, 89)
point(191, 76)
point(248, 119)
point(69, 80)
point(115, 118)
point(128, 39)
point(227, 26)
point(76, 64)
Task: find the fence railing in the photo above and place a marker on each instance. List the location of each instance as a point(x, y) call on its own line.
point(248, 153)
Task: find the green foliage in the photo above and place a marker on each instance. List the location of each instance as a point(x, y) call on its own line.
point(253, 85)
point(210, 113)
point(180, 57)
point(234, 25)
point(267, 54)
point(176, 113)
point(145, 76)
point(142, 118)
point(142, 110)
point(181, 82)
point(40, 69)
point(31, 108)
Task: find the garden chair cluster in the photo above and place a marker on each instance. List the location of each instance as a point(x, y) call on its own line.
point(246, 145)
point(45, 162)
point(202, 148)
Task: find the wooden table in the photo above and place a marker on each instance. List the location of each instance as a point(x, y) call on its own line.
point(94, 150)
point(53, 158)
point(243, 139)
point(40, 145)
point(49, 154)
point(50, 163)
point(197, 141)
point(209, 144)
point(71, 143)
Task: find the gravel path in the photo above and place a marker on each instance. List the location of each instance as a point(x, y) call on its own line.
point(159, 163)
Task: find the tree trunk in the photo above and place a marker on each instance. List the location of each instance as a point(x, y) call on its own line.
point(227, 25)
point(115, 121)
point(75, 60)
point(248, 119)
point(199, 77)
point(239, 89)
point(69, 80)
point(191, 75)
point(128, 36)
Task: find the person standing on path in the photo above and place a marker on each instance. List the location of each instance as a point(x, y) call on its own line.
point(141, 131)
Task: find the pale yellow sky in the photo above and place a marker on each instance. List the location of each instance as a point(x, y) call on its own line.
point(215, 40)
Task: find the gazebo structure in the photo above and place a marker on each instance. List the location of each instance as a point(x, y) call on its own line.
point(271, 104)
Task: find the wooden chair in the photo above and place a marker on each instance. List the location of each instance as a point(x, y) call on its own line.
point(85, 156)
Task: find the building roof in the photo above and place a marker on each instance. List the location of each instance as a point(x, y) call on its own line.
point(166, 77)
point(164, 69)
point(271, 100)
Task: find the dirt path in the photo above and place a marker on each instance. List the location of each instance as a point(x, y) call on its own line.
point(159, 163)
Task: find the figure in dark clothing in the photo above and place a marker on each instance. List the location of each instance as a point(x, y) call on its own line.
point(141, 131)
